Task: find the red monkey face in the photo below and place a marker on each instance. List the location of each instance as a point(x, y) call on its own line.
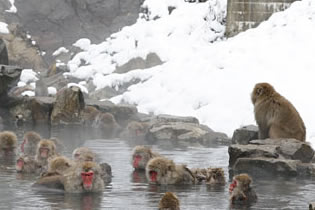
point(153, 176)
point(232, 185)
point(136, 160)
point(87, 179)
point(19, 164)
point(44, 152)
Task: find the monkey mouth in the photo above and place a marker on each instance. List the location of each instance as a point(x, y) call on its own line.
point(153, 176)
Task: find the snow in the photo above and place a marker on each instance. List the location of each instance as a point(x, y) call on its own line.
point(12, 9)
point(82, 88)
point(28, 76)
point(204, 75)
point(83, 44)
point(52, 91)
point(4, 28)
point(60, 50)
point(28, 93)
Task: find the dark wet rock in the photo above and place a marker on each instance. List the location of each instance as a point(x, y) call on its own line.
point(41, 88)
point(151, 60)
point(123, 113)
point(68, 107)
point(312, 206)
point(262, 166)
point(237, 151)
point(1, 124)
point(9, 76)
point(4, 60)
point(245, 134)
point(290, 148)
point(41, 108)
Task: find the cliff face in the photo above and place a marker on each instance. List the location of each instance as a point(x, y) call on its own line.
point(53, 24)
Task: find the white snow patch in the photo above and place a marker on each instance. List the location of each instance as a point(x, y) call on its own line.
point(4, 28)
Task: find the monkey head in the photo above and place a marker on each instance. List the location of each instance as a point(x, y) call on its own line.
point(241, 181)
point(88, 172)
point(45, 149)
point(83, 154)
point(215, 176)
point(30, 138)
point(169, 201)
point(141, 156)
point(26, 164)
point(157, 168)
point(262, 91)
point(59, 164)
point(8, 142)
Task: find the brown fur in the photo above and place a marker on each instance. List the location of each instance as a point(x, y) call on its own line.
point(45, 144)
point(242, 192)
point(8, 142)
point(146, 155)
point(169, 201)
point(276, 117)
point(30, 141)
point(73, 181)
point(211, 176)
point(168, 172)
point(59, 165)
point(29, 165)
point(83, 154)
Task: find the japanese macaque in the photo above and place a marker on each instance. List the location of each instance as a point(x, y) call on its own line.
point(85, 177)
point(27, 164)
point(89, 114)
point(46, 150)
point(58, 166)
point(169, 201)
point(276, 117)
point(211, 176)
point(8, 142)
point(29, 144)
point(241, 191)
point(163, 171)
point(135, 130)
point(141, 156)
point(83, 154)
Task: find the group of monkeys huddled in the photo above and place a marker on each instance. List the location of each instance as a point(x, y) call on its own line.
point(163, 171)
point(40, 157)
point(276, 118)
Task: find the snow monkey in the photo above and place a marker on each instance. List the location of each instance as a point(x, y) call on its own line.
point(30, 141)
point(46, 149)
point(211, 176)
point(59, 165)
point(163, 171)
point(241, 191)
point(83, 154)
point(27, 164)
point(276, 117)
point(141, 156)
point(169, 201)
point(8, 142)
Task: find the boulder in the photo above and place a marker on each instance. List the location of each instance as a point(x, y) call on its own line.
point(312, 206)
point(68, 107)
point(4, 60)
point(41, 107)
point(262, 166)
point(9, 76)
point(164, 118)
point(245, 134)
point(251, 151)
point(290, 148)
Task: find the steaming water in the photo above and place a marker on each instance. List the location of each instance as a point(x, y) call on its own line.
point(130, 190)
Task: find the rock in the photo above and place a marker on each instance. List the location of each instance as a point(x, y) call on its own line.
point(261, 166)
point(4, 60)
point(306, 170)
point(181, 133)
point(9, 76)
point(164, 118)
point(68, 107)
point(245, 134)
point(290, 148)
point(123, 113)
point(151, 60)
point(251, 151)
point(41, 107)
point(312, 206)
point(135, 130)
point(41, 88)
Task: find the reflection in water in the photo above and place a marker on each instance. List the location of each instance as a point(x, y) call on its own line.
point(129, 189)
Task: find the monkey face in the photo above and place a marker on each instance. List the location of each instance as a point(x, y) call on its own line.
point(19, 165)
point(44, 152)
point(137, 159)
point(87, 180)
point(262, 90)
point(232, 185)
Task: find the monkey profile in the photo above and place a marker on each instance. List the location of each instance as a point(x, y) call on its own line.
point(169, 201)
point(211, 176)
point(8, 143)
point(141, 156)
point(241, 191)
point(27, 164)
point(163, 171)
point(29, 144)
point(276, 117)
point(58, 165)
